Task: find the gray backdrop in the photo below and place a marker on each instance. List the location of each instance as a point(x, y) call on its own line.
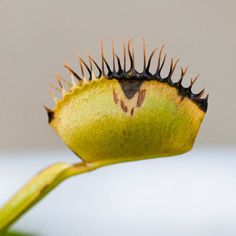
point(37, 37)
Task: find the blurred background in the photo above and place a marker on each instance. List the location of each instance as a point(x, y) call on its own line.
point(38, 37)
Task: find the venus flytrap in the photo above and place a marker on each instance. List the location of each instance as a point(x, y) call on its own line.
point(116, 116)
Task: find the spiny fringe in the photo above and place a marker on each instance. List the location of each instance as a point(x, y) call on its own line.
point(117, 72)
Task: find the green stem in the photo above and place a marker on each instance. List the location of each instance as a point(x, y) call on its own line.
point(38, 187)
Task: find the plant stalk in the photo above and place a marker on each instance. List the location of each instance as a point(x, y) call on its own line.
point(38, 187)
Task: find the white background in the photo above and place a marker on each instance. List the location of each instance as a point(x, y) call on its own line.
point(192, 194)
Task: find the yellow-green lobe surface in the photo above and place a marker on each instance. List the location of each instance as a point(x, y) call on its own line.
point(100, 124)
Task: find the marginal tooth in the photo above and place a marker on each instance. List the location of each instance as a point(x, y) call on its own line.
point(47, 109)
point(92, 75)
point(206, 98)
point(90, 62)
point(104, 62)
point(86, 66)
point(131, 55)
point(163, 62)
point(82, 69)
point(124, 54)
point(118, 62)
point(113, 56)
point(73, 75)
point(159, 58)
point(59, 82)
point(194, 80)
point(191, 85)
point(91, 67)
point(55, 99)
point(150, 59)
point(199, 95)
point(183, 72)
point(63, 91)
point(144, 55)
point(55, 88)
point(68, 84)
point(99, 69)
point(172, 69)
point(72, 72)
point(108, 67)
point(72, 80)
point(102, 57)
point(50, 113)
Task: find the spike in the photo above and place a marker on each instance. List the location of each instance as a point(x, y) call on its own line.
point(150, 59)
point(51, 92)
point(130, 55)
point(50, 113)
point(55, 87)
point(59, 82)
point(172, 68)
point(108, 67)
point(91, 67)
point(82, 69)
point(99, 70)
point(113, 56)
point(72, 72)
point(159, 58)
point(68, 84)
point(183, 72)
point(133, 52)
point(191, 85)
point(198, 95)
point(90, 62)
point(194, 80)
point(72, 80)
point(144, 55)
point(124, 52)
point(81, 65)
point(63, 91)
point(163, 62)
point(118, 62)
point(102, 57)
point(47, 109)
point(86, 66)
point(104, 62)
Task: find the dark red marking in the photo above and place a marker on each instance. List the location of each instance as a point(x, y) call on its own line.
point(132, 112)
point(141, 96)
point(115, 97)
point(123, 106)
